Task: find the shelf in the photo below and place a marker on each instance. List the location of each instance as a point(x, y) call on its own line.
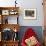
point(4, 8)
point(10, 26)
point(11, 41)
point(9, 10)
point(5, 13)
point(9, 19)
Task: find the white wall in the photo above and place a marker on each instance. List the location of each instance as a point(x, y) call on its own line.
point(37, 4)
point(7, 3)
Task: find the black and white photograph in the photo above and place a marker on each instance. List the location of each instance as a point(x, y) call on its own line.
point(29, 13)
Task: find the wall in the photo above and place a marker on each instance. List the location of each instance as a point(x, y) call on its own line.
point(39, 8)
point(23, 4)
point(37, 29)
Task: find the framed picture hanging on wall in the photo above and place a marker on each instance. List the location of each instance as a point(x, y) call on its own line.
point(29, 13)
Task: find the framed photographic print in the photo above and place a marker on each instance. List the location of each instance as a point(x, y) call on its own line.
point(13, 12)
point(29, 13)
point(5, 12)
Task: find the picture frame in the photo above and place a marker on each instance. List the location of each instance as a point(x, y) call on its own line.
point(5, 12)
point(13, 12)
point(29, 13)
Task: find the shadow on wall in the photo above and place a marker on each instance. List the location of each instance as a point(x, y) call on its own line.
point(37, 29)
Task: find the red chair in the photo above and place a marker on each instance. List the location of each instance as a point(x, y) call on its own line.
point(29, 33)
